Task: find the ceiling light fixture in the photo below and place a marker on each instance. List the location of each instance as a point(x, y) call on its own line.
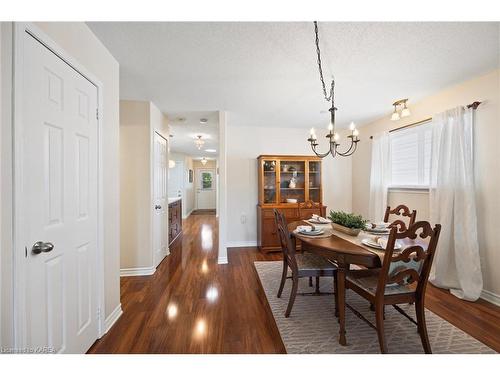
point(203, 120)
point(405, 112)
point(211, 150)
point(332, 136)
point(204, 161)
point(171, 163)
point(199, 142)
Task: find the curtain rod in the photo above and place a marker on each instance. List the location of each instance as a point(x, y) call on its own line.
point(472, 105)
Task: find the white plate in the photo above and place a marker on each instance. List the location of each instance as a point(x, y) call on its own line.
point(312, 233)
point(370, 243)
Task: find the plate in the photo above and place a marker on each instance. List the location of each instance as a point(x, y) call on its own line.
point(377, 231)
point(370, 243)
point(312, 221)
point(312, 233)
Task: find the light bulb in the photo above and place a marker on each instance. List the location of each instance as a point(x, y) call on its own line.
point(330, 126)
point(355, 132)
point(313, 134)
point(352, 126)
point(336, 136)
point(405, 112)
point(395, 116)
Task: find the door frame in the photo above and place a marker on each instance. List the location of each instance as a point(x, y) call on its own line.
point(18, 253)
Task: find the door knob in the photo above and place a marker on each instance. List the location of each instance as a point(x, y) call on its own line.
point(157, 207)
point(42, 247)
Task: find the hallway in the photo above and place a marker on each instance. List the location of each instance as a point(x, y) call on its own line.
point(193, 305)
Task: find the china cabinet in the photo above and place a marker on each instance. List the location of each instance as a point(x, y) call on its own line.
point(284, 183)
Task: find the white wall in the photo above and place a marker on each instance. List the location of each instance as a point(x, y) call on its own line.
point(244, 145)
point(80, 43)
point(485, 88)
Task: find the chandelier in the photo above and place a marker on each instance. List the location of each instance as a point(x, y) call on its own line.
point(199, 142)
point(333, 136)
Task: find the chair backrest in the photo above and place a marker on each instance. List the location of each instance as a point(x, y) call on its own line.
point(403, 211)
point(413, 263)
point(287, 245)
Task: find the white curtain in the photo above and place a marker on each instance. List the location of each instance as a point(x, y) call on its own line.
point(380, 176)
point(452, 204)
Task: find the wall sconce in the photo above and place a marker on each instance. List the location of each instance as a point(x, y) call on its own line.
point(171, 163)
point(398, 114)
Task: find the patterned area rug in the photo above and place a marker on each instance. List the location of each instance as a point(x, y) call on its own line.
point(313, 328)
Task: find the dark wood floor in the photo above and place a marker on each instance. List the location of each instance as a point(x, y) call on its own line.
point(193, 305)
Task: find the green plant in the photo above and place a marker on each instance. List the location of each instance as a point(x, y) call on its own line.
point(348, 220)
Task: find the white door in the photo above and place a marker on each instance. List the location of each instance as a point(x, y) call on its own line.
point(160, 198)
point(59, 201)
point(176, 180)
point(205, 189)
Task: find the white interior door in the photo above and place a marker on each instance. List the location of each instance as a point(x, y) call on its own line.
point(205, 189)
point(176, 180)
point(60, 201)
point(160, 198)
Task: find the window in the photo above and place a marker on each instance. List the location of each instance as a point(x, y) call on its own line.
point(411, 156)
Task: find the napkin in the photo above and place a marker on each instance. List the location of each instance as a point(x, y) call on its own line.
point(380, 225)
point(304, 228)
point(320, 219)
point(382, 241)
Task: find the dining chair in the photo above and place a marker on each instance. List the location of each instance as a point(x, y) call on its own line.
point(403, 211)
point(301, 264)
point(402, 278)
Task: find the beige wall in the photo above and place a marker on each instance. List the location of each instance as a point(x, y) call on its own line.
point(485, 88)
point(244, 145)
point(138, 122)
point(135, 185)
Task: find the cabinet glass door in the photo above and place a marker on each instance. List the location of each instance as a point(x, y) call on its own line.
point(292, 181)
point(315, 181)
point(269, 171)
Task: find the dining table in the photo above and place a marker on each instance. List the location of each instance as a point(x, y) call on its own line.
point(344, 250)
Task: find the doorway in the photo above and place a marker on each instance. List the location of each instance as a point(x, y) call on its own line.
point(205, 189)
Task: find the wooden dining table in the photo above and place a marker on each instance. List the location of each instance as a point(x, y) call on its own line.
point(344, 250)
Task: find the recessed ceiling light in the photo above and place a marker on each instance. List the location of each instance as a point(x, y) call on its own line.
point(203, 120)
point(180, 119)
point(210, 150)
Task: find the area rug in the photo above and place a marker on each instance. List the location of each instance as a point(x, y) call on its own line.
point(203, 212)
point(313, 328)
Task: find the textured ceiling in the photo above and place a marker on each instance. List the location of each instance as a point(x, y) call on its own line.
point(186, 126)
point(265, 74)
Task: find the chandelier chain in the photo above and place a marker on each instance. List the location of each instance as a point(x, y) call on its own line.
point(328, 96)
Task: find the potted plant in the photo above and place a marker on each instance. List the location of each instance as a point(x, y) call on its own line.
point(347, 223)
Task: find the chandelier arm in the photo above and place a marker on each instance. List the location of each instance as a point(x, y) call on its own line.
point(313, 147)
point(351, 150)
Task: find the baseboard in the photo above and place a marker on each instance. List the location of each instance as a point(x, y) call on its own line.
point(222, 260)
point(241, 244)
point(139, 271)
point(490, 297)
point(112, 318)
point(188, 214)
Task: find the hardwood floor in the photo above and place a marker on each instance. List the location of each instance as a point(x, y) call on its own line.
point(193, 305)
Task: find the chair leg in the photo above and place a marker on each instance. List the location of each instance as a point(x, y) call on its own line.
point(310, 281)
point(422, 327)
point(317, 285)
point(283, 278)
point(379, 314)
point(293, 294)
point(336, 291)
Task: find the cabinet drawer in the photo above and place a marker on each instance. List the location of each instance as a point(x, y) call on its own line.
point(290, 213)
